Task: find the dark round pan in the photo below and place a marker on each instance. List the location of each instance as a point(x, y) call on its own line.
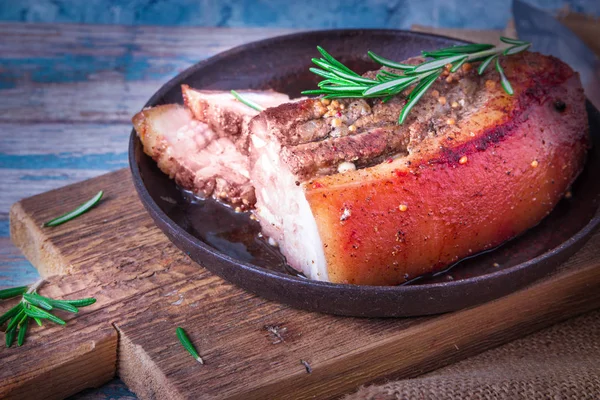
point(227, 243)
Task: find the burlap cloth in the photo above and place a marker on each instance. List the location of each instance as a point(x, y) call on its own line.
point(560, 362)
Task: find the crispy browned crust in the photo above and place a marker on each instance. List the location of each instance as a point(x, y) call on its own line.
point(316, 137)
point(224, 122)
point(497, 172)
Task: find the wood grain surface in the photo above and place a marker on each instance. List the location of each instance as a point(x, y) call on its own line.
point(146, 288)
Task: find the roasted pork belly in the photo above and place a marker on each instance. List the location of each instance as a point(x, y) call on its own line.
point(224, 114)
point(204, 146)
point(351, 196)
point(192, 154)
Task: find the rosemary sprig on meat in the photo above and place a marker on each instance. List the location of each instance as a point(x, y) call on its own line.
point(341, 82)
point(246, 101)
point(34, 307)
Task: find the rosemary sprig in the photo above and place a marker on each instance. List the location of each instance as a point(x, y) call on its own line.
point(36, 307)
point(341, 82)
point(85, 207)
point(247, 101)
point(187, 344)
point(12, 292)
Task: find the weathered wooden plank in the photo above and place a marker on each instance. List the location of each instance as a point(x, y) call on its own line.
point(100, 73)
point(336, 13)
point(54, 40)
point(70, 139)
point(146, 287)
point(60, 363)
point(103, 101)
point(19, 183)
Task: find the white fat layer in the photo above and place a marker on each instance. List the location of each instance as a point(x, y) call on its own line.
point(286, 216)
point(196, 147)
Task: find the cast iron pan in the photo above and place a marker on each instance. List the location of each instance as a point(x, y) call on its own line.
point(227, 243)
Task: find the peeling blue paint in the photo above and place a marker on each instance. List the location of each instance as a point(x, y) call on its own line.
point(19, 272)
point(61, 177)
point(106, 162)
point(83, 67)
point(15, 270)
point(4, 228)
point(6, 84)
point(492, 14)
point(112, 390)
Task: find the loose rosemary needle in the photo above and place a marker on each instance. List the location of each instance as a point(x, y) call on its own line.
point(247, 101)
point(36, 307)
point(341, 82)
point(85, 207)
point(187, 344)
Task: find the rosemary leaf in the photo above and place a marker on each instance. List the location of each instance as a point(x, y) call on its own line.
point(458, 64)
point(88, 301)
point(34, 311)
point(335, 82)
point(503, 80)
point(485, 64)
point(15, 320)
point(357, 79)
point(323, 73)
point(335, 62)
point(324, 64)
point(76, 212)
point(9, 337)
point(38, 301)
point(11, 313)
point(187, 344)
point(516, 49)
point(329, 75)
point(416, 95)
point(314, 92)
point(12, 292)
point(22, 331)
point(437, 55)
point(390, 63)
point(435, 64)
point(37, 321)
point(463, 49)
point(246, 101)
point(326, 82)
point(61, 305)
point(341, 73)
point(511, 41)
point(336, 89)
point(383, 87)
point(349, 96)
point(391, 74)
point(22, 320)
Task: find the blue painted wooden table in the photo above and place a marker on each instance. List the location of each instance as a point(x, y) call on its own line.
point(67, 94)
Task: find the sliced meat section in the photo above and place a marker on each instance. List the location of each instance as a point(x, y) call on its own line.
point(190, 152)
point(224, 114)
point(350, 196)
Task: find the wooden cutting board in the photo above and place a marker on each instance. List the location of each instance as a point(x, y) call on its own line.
point(253, 348)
